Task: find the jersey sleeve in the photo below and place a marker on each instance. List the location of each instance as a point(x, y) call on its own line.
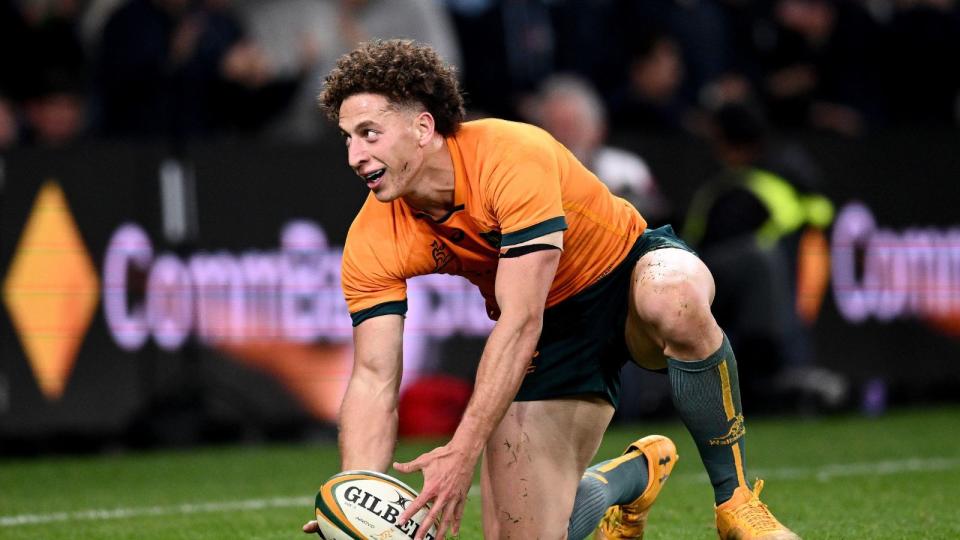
point(372, 278)
point(525, 195)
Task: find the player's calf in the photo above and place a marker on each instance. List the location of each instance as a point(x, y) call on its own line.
point(625, 488)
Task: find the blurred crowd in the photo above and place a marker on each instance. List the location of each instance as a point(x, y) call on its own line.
point(177, 69)
point(731, 72)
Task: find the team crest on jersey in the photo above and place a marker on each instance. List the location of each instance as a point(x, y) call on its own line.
point(442, 256)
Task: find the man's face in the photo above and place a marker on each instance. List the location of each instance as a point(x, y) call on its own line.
point(382, 144)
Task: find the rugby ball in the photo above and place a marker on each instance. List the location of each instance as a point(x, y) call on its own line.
point(365, 505)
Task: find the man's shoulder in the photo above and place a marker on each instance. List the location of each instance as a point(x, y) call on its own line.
point(491, 148)
point(497, 133)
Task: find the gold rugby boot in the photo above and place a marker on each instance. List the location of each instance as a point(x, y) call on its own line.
point(627, 521)
point(745, 517)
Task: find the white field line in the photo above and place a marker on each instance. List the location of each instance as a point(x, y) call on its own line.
point(828, 472)
point(823, 473)
point(124, 513)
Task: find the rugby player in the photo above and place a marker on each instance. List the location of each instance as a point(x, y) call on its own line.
point(577, 285)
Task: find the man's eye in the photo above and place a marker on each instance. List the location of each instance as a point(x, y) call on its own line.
point(370, 134)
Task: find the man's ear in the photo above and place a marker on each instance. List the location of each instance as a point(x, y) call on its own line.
point(425, 125)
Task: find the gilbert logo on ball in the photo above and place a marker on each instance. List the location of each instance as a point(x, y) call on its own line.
point(365, 505)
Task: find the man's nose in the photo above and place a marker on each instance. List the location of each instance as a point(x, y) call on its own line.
point(357, 154)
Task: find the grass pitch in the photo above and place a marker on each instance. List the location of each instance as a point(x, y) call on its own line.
point(893, 477)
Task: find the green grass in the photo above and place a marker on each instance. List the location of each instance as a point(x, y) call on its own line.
point(894, 477)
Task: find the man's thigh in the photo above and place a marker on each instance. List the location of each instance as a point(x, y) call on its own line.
point(533, 462)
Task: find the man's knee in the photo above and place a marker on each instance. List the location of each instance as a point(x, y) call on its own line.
point(672, 293)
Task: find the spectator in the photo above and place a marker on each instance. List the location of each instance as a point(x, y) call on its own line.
point(748, 28)
point(597, 56)
point(695, 27)
point(55, 112)
point(753, 227)
point(570, 109)
point(822, 66)
point(171, 68)
point(48, 87)
point(509, 49)
point(308, 35)
point(650, 98)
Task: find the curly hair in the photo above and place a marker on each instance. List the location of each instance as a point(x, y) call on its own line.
point(404, 72)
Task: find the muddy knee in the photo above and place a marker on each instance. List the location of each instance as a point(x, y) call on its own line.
point(671, 299)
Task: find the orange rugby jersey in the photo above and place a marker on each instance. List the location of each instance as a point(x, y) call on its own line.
point(513, 182)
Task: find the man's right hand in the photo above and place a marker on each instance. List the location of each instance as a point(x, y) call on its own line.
point(311, 527)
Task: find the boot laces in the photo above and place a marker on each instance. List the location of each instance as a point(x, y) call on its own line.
point(611, 520)
point(621, 521)
point(755, 513)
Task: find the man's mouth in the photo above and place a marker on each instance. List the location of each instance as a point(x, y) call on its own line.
point(373, 179)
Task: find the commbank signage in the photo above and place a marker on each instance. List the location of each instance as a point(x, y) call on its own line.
point(886, 274)
point(95, 298)
point(99, 304)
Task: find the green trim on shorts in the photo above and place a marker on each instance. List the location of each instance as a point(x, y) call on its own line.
point(660, 238)
point(394, 307)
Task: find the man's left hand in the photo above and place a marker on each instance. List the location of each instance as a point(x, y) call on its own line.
point(447, 476)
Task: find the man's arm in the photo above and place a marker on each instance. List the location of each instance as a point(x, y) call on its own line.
point(368, 415)
point(522, 286)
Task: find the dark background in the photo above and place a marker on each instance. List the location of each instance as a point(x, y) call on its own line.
point(245, 193)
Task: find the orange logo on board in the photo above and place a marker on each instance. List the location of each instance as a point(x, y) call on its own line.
point(51, 290)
